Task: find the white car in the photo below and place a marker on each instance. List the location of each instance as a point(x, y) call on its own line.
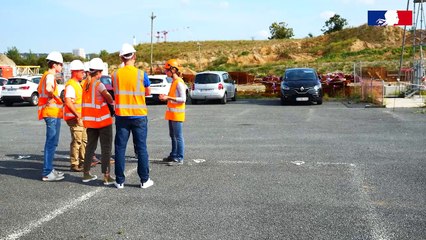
point(211, 85)
point(3, 81)
point(160, 84)
point(23, 89)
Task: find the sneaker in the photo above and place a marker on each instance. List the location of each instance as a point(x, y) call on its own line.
point(109, 181)
point(175, 163)
point(52, 177)
point(88, 177)
point(119, 185)
point(168, 159)
point(112, 161)
point(76, 169)
point(58, 173)
point(147, 184)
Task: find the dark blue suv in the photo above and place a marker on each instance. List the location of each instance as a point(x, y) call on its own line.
point(301, 85)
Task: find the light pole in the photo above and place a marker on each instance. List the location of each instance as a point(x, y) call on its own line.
point(199, 55)
point(152, 28)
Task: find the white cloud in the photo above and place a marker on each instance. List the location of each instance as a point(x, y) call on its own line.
point(185, 2)
point(367, 2)
point(327, 14)
point(224, 4)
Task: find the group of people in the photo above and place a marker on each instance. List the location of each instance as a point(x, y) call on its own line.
point(85, 110)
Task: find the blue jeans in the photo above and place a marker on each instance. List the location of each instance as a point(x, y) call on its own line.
point(178, 143)
point(53, 128)
point(139, 129)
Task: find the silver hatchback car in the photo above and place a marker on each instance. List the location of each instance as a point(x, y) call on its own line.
point(213, 85)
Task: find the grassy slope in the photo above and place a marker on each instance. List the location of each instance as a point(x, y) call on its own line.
point(334, 52)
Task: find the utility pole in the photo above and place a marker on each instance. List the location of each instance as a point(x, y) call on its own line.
point(152, 29)
point(199, 55)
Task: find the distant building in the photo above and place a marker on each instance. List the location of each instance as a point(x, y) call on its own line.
point(79, 52)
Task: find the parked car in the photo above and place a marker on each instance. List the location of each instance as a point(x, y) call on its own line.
point(3, 81)
point(24, 89)
point(211, 85)
point(160, 84)
point(107, 81)
point(301, 85)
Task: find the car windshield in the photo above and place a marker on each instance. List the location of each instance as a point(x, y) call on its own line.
point(2, 82)
point(106, 80)
point(16, 81)
point(156, 80)
point(207, 78)
point(300, 74)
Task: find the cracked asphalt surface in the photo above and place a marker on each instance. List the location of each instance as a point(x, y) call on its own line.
point(253, 170)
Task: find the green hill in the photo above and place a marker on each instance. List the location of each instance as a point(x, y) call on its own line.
point(334, 52)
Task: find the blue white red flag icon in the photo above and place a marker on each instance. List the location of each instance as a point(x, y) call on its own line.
point(390, 18)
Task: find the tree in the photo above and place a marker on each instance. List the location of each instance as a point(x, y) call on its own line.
point(103, 54)
point(13, 53)
point(334, 24)
point(280, 31)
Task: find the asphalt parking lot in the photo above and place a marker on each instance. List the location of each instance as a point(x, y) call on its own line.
point(253, 170)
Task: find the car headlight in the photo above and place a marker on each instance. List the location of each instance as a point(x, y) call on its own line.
point(285, 87)
point(317, 87)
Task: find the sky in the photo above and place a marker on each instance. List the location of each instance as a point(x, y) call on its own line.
point(42, 26)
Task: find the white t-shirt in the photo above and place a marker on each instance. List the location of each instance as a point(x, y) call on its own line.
point(98, 95)
point(70, 92)
point(50, 81)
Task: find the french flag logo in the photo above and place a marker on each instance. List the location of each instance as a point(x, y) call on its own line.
point(390, 18)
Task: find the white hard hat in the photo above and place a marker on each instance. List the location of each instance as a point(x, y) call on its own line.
point(86, 66)
point(96, 64)
point(76, 65)
point(126, 49)
point(55, 56)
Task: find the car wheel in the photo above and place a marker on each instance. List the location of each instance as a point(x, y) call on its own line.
point(34, 99)
point(234, 98)
point(8, 103)
point(319, 102)
point(224, 99)
point(283, 101)
point(193, 101)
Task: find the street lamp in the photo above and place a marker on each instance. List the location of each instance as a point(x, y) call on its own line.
point(199, 55)
point(152, 27)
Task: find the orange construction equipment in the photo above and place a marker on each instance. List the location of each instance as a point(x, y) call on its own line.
point(6, 71)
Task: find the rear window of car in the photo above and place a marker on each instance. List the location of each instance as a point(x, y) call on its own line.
point(156, 80)
point(207, 78)
point(300, 74)
point(36, 80)
point(16, 81)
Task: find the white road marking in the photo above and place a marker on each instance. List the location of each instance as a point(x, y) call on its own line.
point(298, 163)
point(22, 231)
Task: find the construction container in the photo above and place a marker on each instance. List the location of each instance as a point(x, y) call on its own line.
point(6, 71)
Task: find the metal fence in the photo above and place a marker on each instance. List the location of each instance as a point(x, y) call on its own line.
point(372, 90)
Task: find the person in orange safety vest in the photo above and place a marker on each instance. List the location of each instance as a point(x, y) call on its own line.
point(175, 113)
point(72, 115)
point(131, 85)
point(98, 121)
point(50, 110)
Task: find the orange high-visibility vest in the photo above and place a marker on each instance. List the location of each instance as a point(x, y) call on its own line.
point(175, 111)
point(44, 109)
point(68, 115)
point(95, 113)
point(129, 91)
